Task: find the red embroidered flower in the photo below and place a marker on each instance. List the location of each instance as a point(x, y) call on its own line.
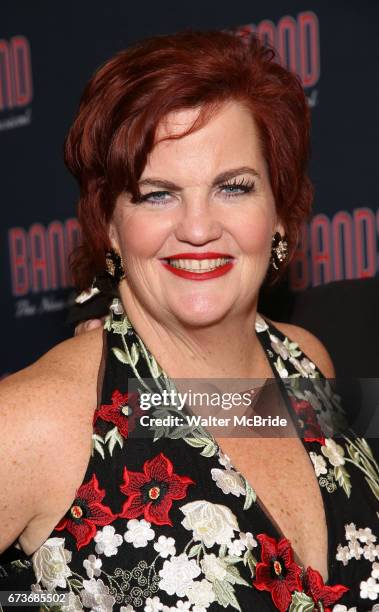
point(120, 412)
point(277, 572)
point(315, 588)
point(86, 513)
point(307, 420)
point(151, 493)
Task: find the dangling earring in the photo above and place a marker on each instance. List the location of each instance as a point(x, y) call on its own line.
point(279, 250)
point(114, 265)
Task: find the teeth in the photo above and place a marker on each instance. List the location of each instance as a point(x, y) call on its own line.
point(198, 265)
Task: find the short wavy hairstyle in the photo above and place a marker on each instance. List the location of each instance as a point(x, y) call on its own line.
point(107, 146)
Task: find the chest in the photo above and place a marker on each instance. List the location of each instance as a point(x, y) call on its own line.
point(281, 473)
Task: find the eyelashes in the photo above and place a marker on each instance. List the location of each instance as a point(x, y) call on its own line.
point(231, 189)
point(244, 185)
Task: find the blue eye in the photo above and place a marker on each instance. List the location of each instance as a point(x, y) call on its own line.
point(237, 188)
point(154, 197)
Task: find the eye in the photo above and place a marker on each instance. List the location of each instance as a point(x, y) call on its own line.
point(237, 187)
point(156, 198)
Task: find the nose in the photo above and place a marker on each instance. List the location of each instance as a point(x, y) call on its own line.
point(198, 222)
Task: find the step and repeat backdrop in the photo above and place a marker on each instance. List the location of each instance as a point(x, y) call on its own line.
point(48, 50)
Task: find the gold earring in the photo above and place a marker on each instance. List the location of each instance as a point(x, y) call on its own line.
point(114, 265)
point(279, 250)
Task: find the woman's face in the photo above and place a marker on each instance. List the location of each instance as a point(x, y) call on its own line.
point(206, 200)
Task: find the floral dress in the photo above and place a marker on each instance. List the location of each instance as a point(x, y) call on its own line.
point(166, 523)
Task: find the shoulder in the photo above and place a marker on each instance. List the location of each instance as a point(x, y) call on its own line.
point(44, 410)
point(311, 346)
point(67, 369)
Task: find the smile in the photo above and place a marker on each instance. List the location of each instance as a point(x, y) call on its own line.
point(198, 268)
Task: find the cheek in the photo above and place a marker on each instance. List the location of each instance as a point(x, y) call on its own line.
point(254, 235)
point(141, 236)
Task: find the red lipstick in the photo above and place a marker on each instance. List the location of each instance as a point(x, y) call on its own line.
point(219, 271)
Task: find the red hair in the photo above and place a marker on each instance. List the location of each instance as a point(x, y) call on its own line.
point(107, 146)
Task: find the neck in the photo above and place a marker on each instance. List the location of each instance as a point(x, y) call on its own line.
point(226, 349)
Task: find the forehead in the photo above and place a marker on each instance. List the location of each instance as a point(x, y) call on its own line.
point(229, 137)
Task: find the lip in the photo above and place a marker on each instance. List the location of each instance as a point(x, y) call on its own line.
point(207, 255)
point(196, 276)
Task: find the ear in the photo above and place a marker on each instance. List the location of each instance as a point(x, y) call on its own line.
point(279, 227)
point(113, 236)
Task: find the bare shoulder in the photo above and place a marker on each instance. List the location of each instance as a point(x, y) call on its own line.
point(310, 345)
point(68, 368)
point(44, 410)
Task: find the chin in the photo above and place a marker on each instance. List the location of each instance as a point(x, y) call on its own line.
point(201, 313)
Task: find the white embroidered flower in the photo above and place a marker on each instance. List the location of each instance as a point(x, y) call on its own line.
point(153, 604)
point(165, 546)
point(279, 348)
point(319, 464)
point(107, 541)
point(127, 608)
point(236, 548)
point(224, 460)
point(180, 605)
point(95, 595)
point(92, 566)
point(210, 523)
point(356, 549)
point(308, 366)
point(73, 604)
point(369, 589)
point(370, 551)
point(375, 571)
point(334, 452)
point(281, 369)
point(249, 540)
point(183, 605)
point(339, 608)
point(365, 535)
point(343, 554)
point(228, 481)
point(201, 593)
point(177, 575)
point(351, 532)
point(138, 533)
point(50, 563)
point(213, 567)
point(260, 323)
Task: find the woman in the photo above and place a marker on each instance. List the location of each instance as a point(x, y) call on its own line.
point(190, 151)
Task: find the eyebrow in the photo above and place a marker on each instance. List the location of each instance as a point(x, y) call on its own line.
point(223, 176)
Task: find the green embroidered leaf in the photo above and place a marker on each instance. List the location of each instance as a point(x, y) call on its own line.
point(121, 355)
point(354, 454)
point(76, 584)
point(113, 436)
point(194, 550)
point(134, 354)
point(20, 565)
point(154, 367)
point(233, 576)
point(374, 486)
point(232, 559)
point(209, 450)
point(97, 442)
point(225, 594)
point(362, 443)
point(197, 442)
point(179, 432)
point(343, 478)
point(300, 602)
point(251, 495)
point(251, 561)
